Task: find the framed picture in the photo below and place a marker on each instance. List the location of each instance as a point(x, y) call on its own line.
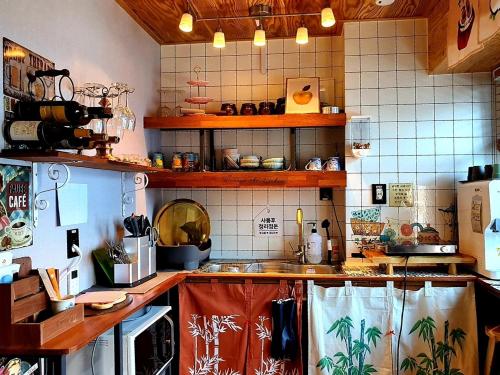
point(16, 224)
point(302, 95)
point(17, 62)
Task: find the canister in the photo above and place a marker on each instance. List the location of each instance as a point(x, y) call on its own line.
point(176, 161)
point(157, 160)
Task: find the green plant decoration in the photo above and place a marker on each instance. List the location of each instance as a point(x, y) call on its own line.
point(352, 362)
point(438, 362)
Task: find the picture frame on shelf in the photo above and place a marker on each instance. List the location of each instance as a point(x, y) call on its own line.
point(302, 95)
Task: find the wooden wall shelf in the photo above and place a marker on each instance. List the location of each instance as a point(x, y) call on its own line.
point(245, 122)
point(247, 179)
point(75, 160)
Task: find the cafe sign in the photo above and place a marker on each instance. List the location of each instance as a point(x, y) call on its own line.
point(15, 207)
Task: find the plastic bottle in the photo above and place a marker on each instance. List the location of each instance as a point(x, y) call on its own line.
point(314, 246)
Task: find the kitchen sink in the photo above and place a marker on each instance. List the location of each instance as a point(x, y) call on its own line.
point(288, 267)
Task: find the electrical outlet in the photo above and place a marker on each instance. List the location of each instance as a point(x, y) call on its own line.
point(73, 282)
point(72, 238)
point(325, 194)
point(379, 194)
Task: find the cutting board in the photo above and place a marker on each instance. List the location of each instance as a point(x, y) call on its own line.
point(103, 297)
point(89, 311)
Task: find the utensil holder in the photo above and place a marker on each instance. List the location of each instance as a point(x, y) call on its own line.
point(143, 266)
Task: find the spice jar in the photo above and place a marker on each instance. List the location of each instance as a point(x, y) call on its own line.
point(266, 108)
point(248, 109)
point(177, 161)
point(229, 108)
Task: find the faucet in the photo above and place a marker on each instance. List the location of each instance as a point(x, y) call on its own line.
point(301, 251)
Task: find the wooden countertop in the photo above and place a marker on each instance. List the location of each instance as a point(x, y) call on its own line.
point(92, 327)
point(492, 285)
point(329, 277)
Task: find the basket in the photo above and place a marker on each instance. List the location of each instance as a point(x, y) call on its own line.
point(366, 228)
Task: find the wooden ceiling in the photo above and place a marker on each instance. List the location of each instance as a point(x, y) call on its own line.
point(160, 18)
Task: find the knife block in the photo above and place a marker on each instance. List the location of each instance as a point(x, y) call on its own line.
point(25, 299)
point(143, 266)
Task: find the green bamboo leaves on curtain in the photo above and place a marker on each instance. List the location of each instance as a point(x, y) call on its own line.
point(439, 358)
point(354, 330)
point(352, 361)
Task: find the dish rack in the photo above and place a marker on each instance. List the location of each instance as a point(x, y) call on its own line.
point(25, 301)
point(199, 100)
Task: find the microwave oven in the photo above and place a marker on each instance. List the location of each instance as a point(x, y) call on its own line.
point(148, 344)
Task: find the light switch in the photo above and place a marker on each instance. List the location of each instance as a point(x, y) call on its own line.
point(379, 194)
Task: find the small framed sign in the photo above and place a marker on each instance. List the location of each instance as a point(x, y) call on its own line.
point(302, 95)
point(401, 195)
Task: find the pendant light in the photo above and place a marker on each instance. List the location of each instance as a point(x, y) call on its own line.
point(302, 36)
point(259, 38)
point(219, 38)
point(186, 23)
point(327, 17)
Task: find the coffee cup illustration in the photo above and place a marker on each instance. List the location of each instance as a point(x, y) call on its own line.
point(18, 230)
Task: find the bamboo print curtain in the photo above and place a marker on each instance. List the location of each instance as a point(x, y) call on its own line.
point(354, 330)
point(349, 330)
point(439, 331)
point(225, 329)
point(213, 328)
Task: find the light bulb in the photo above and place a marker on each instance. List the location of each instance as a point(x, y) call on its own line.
point(186, 23)
point(327, 17)
point(259, 38)
point(219, 39)
point(302, 35)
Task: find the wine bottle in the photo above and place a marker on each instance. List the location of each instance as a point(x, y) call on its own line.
point(99, 112)
point(42, 135)
point(59, 111)
point(75, 144)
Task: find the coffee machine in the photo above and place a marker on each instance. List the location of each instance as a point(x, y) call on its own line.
point(479, 225)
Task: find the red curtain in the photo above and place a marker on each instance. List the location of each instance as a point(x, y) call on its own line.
point(225, 329)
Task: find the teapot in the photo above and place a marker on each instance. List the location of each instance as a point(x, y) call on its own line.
point(427, 235)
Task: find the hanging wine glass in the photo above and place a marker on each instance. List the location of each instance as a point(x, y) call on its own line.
point(130, 114)
point(97, 125)
point(113, 129)
point(119, 114)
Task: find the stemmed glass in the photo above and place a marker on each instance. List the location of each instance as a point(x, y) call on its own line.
point(129, 113)
point(123, 115)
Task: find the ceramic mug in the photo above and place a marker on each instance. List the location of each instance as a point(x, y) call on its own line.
point(65, 303)
point(332, 164)
point(17, 230)
point(313, 164)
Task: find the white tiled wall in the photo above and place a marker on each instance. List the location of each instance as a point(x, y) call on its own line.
point(242, 73)
point(232, 213)
point(425, 130)
point(497, 108)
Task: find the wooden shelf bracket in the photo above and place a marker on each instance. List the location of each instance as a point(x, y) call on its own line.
point(141, 180)
point(54, 173)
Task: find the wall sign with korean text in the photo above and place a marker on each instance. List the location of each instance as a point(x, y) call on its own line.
point(16, 226)
point(401, 195)
point(268, 223)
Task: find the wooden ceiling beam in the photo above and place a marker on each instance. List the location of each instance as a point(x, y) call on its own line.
point(160, 18)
